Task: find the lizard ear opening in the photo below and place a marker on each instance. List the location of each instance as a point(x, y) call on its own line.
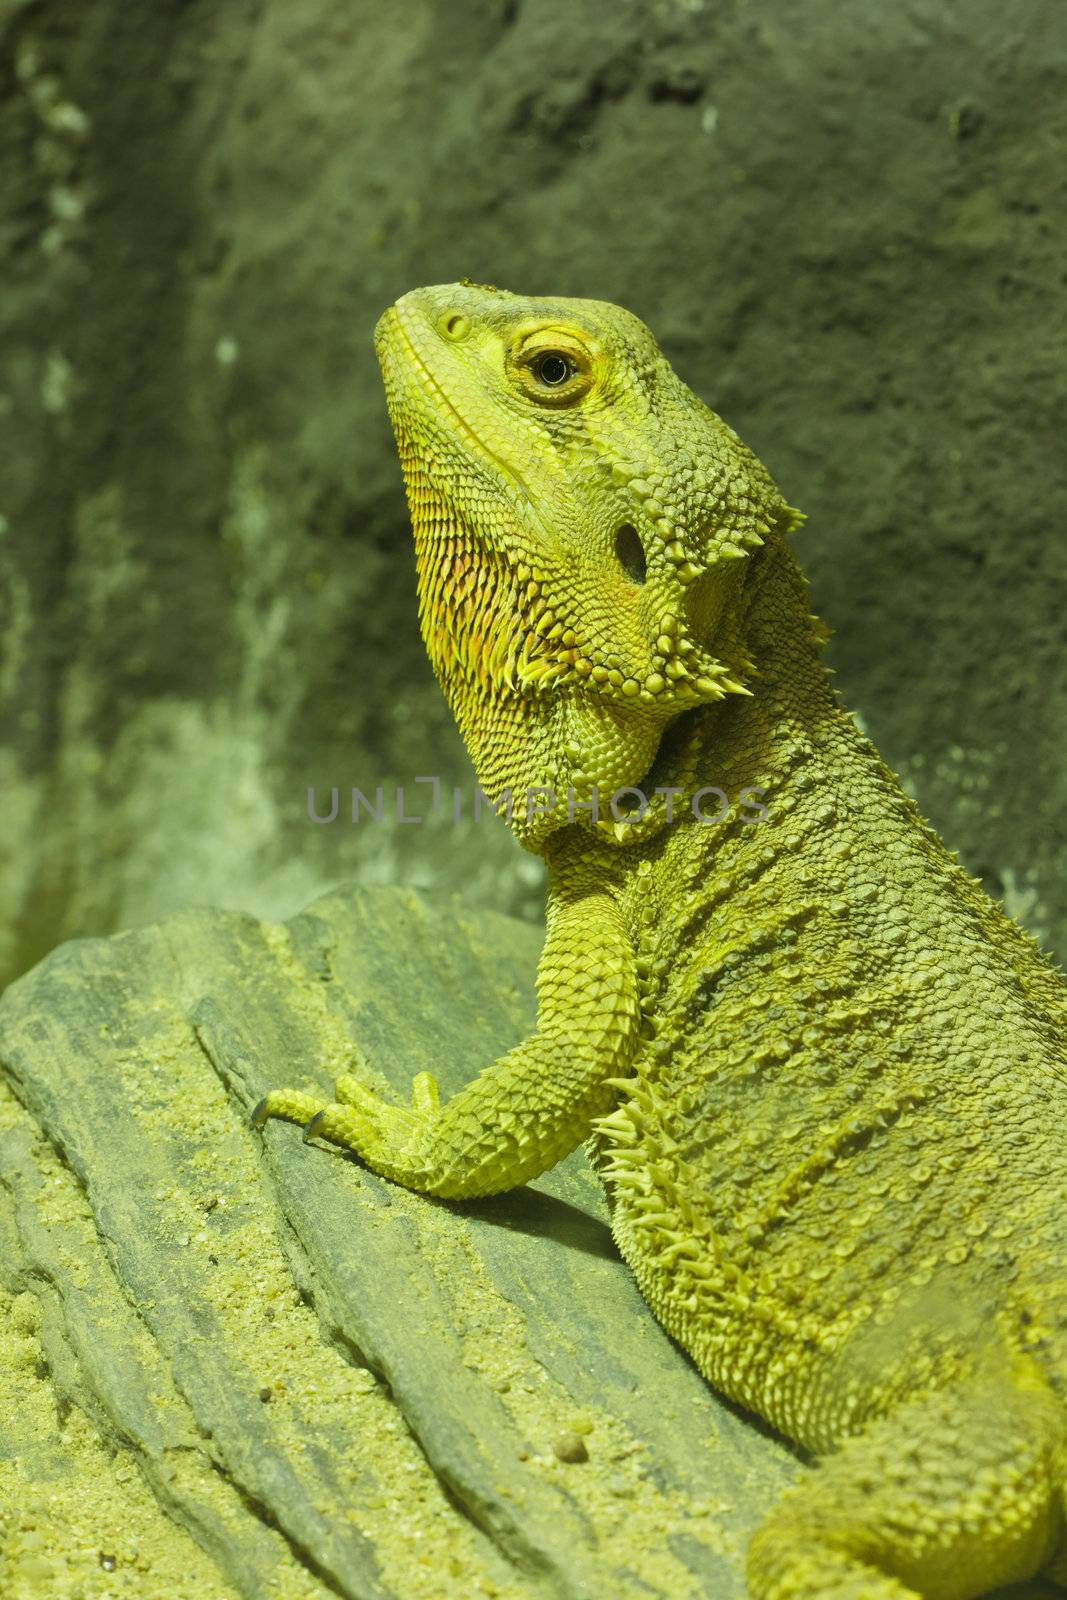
point(631, 552)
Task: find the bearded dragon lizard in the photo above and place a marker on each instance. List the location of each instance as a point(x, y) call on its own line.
point(823, 1076)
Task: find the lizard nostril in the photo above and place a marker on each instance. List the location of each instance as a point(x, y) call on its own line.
point(454, 325)
point(631, 552)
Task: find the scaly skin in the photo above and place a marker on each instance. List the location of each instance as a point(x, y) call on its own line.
point(822, 1074)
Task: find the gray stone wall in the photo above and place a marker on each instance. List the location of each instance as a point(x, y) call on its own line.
point(844, 223)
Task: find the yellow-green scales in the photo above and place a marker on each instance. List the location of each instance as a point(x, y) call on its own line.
point(824, 1076)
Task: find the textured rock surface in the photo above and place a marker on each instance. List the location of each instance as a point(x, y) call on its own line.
point(842, 232)
point(245, 1366)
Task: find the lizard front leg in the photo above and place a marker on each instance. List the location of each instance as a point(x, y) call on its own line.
point(530, 1108)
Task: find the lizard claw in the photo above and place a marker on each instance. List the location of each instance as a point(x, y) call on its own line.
point(310, 1127)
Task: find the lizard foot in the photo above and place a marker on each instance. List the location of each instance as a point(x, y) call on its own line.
point(390, 1139)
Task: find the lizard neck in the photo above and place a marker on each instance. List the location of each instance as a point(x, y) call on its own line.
point(840, 887)
point(827, 850)
point(790, 718)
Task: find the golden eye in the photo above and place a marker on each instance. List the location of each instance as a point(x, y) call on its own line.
point(552, 374)
point(553, 368)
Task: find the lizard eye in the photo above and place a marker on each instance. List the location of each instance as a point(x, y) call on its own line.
point(553, 368)
point(552, 374)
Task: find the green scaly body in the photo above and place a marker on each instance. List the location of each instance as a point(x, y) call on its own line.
point(824, 1076)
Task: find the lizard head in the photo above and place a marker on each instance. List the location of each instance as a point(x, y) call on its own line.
point(584, 529)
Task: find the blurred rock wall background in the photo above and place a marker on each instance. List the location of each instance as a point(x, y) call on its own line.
point(845, 223)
